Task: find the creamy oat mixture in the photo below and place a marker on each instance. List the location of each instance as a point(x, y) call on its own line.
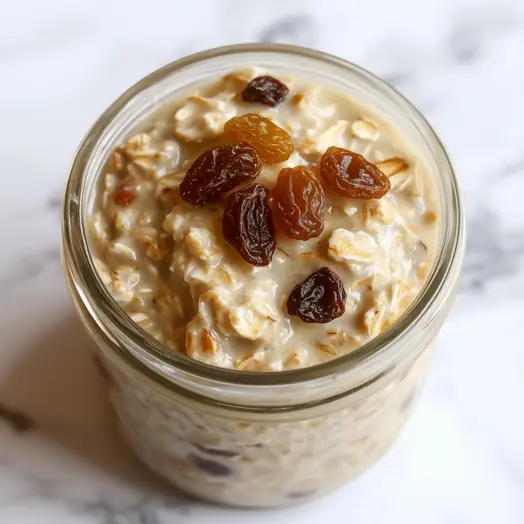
point(244, 460)
point(168, 265)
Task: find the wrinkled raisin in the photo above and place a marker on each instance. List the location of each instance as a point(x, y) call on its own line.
point(126, 192)
point(266, 90)
point(319, 299)
point(248, 226)
point(272, 143)
point(218, 170)
point(299, 203)
point(350, 174)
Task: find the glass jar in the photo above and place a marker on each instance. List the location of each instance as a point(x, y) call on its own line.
point(260, 438)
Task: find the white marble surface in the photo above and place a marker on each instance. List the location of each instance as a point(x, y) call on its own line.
point(461, 458)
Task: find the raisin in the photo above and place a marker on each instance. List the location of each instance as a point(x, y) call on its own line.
point(350, 174)
point(318, 299)
point(266, 90)
point(272, 143)
point(218, 170)
point(299, 203)
point(126, 192)
point(217, 469)
point(247, 224)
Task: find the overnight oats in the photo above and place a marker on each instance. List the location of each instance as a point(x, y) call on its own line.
point(261, 239)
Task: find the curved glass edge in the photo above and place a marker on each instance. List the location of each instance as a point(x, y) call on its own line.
point(162, 360)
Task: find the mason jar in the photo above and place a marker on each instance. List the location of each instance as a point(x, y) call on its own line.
point(260, 438)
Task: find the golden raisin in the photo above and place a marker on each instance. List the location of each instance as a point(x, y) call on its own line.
point(271, 142)
point(126, 192)
point(299, 203)
point(350, 174)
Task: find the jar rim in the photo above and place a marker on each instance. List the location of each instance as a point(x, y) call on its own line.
point(95, 296)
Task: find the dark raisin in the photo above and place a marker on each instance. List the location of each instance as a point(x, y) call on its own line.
point(266, 90)
point(218, 170)
point(319, 299)
point(247, 224)
point(350, 174)
point(217, 469)
point(299, 203)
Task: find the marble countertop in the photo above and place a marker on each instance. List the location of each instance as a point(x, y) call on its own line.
point(461, 457)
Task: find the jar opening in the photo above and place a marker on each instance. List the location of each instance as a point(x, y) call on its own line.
point(139, 101)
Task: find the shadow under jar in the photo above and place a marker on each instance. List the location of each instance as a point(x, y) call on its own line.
point(260, 438)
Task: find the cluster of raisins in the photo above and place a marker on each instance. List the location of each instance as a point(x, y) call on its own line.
point(297, 204)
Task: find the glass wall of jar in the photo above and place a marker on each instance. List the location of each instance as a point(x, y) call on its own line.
point(260, 438)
